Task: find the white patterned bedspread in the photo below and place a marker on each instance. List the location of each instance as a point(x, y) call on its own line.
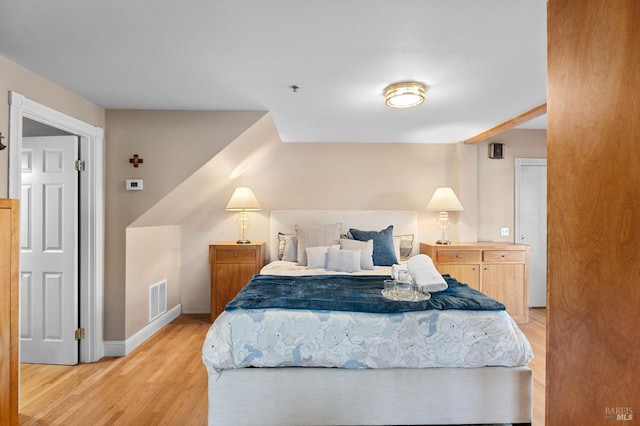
point(306, 338)
point(432, 338)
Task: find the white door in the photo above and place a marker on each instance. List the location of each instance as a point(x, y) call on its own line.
point(531, 222)
point(49, 251)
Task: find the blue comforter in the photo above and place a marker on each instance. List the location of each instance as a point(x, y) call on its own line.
point(350, 293)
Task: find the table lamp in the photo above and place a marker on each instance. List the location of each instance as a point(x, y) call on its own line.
point(444, 200)
point(243, 201)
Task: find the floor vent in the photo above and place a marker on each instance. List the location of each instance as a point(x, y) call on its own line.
point(157, 300)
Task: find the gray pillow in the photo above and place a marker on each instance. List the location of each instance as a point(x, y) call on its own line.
point(287, 247)
point(314, 236)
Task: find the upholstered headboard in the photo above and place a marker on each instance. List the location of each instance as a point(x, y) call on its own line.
point(404, 222)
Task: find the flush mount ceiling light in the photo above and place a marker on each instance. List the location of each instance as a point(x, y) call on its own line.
point(405, 94)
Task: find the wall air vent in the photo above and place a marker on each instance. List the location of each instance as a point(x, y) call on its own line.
point(157, 300)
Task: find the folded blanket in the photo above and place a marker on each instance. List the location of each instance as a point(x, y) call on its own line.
point(356, 293)
point(425, 274)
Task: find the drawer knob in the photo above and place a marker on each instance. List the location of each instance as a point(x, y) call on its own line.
point(235, 254)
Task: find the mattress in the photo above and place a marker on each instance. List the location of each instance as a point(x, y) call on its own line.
point(281, 267)
point(357, 340)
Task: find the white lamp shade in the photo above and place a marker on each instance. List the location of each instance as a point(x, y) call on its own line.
point(444, 200)
point(243, 200)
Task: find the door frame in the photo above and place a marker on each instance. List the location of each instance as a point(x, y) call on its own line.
point(91, 238)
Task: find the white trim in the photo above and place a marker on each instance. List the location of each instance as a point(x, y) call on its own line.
point(92, 219)
point(120, 348)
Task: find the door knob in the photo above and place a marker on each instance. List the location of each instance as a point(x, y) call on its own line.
point(523, 236)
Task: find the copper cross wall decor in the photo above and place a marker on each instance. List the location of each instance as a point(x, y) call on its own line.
point(136, 160)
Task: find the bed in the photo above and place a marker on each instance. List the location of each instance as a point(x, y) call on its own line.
point(278, 365)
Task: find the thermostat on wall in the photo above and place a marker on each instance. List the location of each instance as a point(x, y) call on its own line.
point(134, 184)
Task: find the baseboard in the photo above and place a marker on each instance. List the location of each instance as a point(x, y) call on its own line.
point(123, 348)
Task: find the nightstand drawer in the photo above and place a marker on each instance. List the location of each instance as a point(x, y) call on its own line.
point(503, 255)
point(235, 255)
point(457, 256)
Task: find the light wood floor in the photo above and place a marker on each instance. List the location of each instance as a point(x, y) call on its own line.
point(163, 382)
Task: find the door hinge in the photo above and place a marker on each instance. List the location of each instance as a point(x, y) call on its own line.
point(80, 333)
point(80, 165)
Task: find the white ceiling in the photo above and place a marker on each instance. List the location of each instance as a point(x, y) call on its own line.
point(484, 60)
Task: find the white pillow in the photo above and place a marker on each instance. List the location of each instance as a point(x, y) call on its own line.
point(314, 236)
point(365, 247)
point(343, 260)
point(317, 257)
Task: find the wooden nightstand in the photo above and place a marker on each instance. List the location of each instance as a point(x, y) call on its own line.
point(232, 265)
point(500, 270)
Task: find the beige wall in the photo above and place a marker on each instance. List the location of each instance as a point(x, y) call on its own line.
point(344, 176)
point(283, 176)
point(152, 255)
point(496, 187)
point(18, 79)
point(320, 176)
point(173, 144)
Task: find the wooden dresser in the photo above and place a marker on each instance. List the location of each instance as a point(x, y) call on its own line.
point(500, 270)
point(232, 265)
point(9, 275)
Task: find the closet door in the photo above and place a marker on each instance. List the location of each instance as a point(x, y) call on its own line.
point(9, 252)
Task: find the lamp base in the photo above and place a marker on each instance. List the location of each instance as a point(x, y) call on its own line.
point(243, 242)
point(444, 222)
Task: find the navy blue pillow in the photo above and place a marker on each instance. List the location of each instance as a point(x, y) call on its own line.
point(383, 253)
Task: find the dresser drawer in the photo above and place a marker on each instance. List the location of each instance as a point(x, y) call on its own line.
point(235, 255)
point(503, 256)
point(457, 256)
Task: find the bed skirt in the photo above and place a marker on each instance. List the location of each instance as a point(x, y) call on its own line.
point(332, 396)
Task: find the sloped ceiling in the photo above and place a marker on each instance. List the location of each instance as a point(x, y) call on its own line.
point(484, 60)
